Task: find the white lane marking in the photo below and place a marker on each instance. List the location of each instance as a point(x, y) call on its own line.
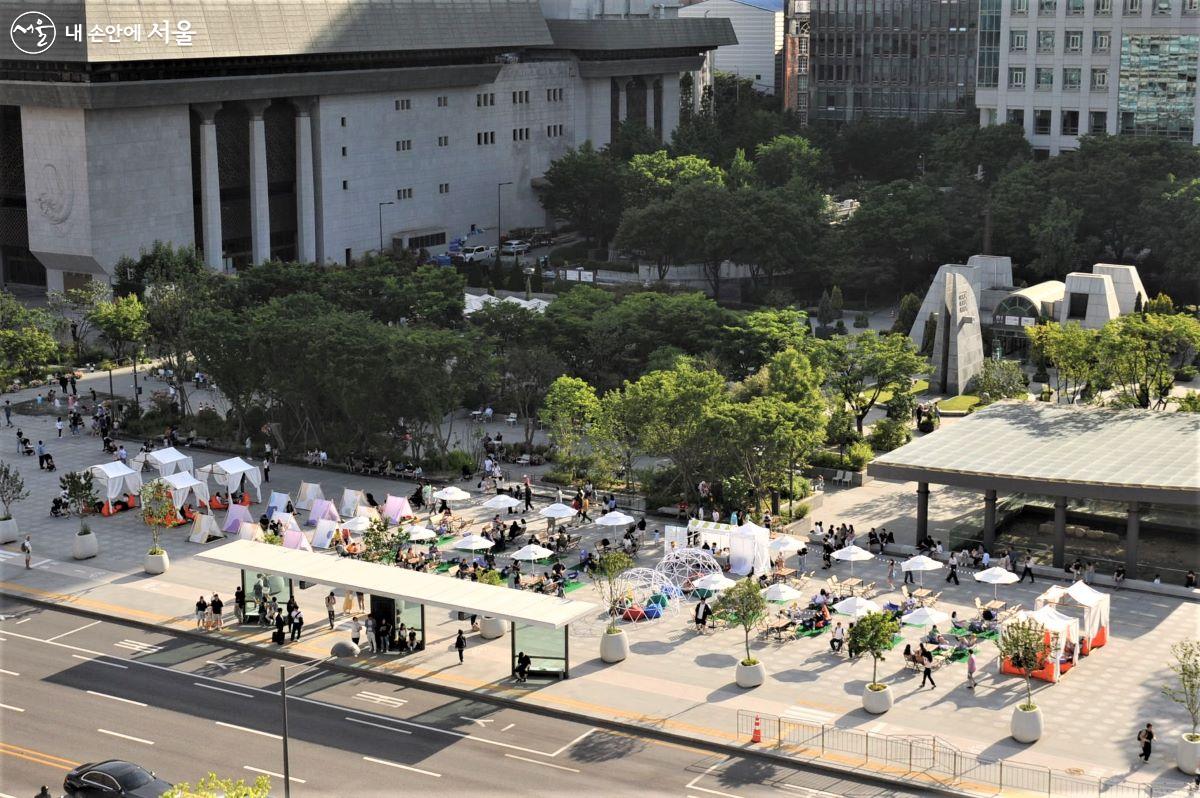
point(540, 762)
point(6, 795)
point(73, 631)
point(8, 673)
point(40, 563)
point(509, 726)
point(14, 709)
point(299, 682)
point(378, 725)
point(126, 736)
point(691, 785)
point(139, 647)
point(99, 661)
point(376, 698)
point(225, 665)
point(568, 745)
point(23, 620)
point(807, 790)
point(481, 721)
point(222, 689)
point(117, 698)
point(273, 774)
point(402, 767)
point(252, 731)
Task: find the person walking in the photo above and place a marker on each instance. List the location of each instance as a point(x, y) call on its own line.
point(927, 662)
point(58, 426)
point(217, 606)
point(267, 468)
point(908, 578)
point(358, 596)
point(1027, 568)
point(7, 413)
point(1146, 738)
point(891, 575)
point(348, 603)
point(953, 575)
point(460, 643)
point(528, 495)
point(331, 608)
point(971, 667)
point(27, 550)
point(370, 625)
point(280, 624)
point(239, 604)
point(297, 624)
point(41, 454)
point(201, 611)
point(355, 630)
point(703, 611)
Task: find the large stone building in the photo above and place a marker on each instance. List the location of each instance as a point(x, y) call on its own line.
point(1065, 68)
point(309, 129)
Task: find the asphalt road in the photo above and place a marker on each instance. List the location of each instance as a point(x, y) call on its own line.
point(75, 690)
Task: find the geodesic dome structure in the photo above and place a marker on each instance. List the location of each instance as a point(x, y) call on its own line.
point(645, 586)
point(682, 566)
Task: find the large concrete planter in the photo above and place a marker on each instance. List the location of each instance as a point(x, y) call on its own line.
point(614, 647)
point(1187, 755)
point(155, 564)
point(1026, 725)
point(9, 533)
point(877, 702)
point(750, 675)
point(84, 547)
point(491, 628)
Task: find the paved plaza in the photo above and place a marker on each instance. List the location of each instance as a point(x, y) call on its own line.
point(674, 679)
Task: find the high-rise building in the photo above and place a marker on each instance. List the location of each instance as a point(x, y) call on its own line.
point(898, 58)
point(1065, 68)
point(797, 58)
point(758, 25)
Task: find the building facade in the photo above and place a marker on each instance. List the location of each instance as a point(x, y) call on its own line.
point(758, 54)
point(883, 58)
point(1065, 68)
point(313, 129)
point(797, 58)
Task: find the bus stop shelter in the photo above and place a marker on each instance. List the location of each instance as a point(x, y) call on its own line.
point(540, 624)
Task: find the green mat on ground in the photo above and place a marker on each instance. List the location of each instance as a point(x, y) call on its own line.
point(989, 635)
point(446, 539)
point(957, 655)
point(569, 586)
point(443, 567)
point(812, 632)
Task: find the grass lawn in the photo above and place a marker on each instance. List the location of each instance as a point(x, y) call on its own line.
point(919, 387)
point(958, 403)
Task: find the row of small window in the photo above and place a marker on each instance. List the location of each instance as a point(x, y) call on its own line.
point(407, 193)
point(1018, 41)
point(521, 97)
point(443, 101)
point(1043, 118)
point(1103, 8)
point(1044, 78)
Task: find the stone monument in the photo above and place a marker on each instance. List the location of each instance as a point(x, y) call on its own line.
point(958, 342)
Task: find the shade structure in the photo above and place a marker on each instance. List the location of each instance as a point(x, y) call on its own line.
point(924, 616)
point(856, 607)
point(714, 582)
point(307, 493)
point(532, 552)
point(450, 493)
point(557, 511)
point(785, 545)
point(169, 461)
point(286, 521)
point(615, 518)
point(996, 576)
point(473, 543)
point(322, 510)
point(204, 529)
point(279, 500)
point(248, 530)
point(366, 511)
point(750, 526)
point(418, 533)
point(395, 508)
point(853, 554)
point(229, 473)
point(182, 483)
point(782, 592)
point(350, 501)
point(921, 564)
point(358, 523)
point(235, 516)
point(115, 479)
point(502, 502)
point(323, 536)
point(295, 539)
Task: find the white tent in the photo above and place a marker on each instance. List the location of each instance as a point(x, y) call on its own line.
point(295, 539)
point(204, 529)
point(1062, 641)
point(169, 461)
point(749, 550)
point(278, 500)
point(323, 537)
point(115, 479)
point(286, 521)
point(366, 511)
point(249, 530)
point(181, 484)
point(307, 493)
point(395, 508)
point(715, 534)
point(1093, 604)
point(323, 510)
point(356, 524)
point(228, 474)
point(234, 517)
point(350, 501)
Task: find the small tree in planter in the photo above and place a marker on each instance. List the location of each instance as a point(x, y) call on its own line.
point(1023, 644)
point(1186, 667)
point(158, 511)
point(614, 646)
point(80, 490)
point(873, 634)
point(12, 490)
point(746, 603)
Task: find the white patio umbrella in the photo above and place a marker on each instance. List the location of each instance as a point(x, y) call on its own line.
point(853, 554)
point(532, 552)
point(502, 502)
point(920, 564)
point(451, 493)
point(782, 593)
point(418, 533)
point(856, 607)
point(557, 511)
point(785, 545)
point(358, 523)
point(923, 616)
point(714, 582)
point(996, 576)
point(473, 543)
point(615, 518)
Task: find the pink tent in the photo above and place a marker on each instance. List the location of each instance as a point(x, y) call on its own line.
point(395, 508)
point(322, 510)
point(295, 539)
point(234, 517)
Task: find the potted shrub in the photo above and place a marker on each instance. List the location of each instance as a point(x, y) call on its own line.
point(1187, 673)
point(744, 601)
point(80, 490)
point(12, 490)
point(490, 628)
point(1023, 644)
point(614, 645)
point(873, 634)
point(158, 511)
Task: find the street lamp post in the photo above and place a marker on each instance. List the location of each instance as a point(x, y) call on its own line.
point(499, 234)
point(283, 669)
point(386, 202)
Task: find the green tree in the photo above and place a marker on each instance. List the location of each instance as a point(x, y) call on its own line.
point(586, 188)
point(910, 306)
point(874, 634)
point(1172, 218)
point(618, 427)
point(836, 301)
point(825, 313)
point(1189, 402)
point(12, 489)
point(745, 603)
point(160, 264)
point(607, 576)
point(157, 509)
point(741, 173)
point(1056, 239)
point(26, 336)
point(440, 368)
point(122, 324)
point(633, 138)
point(570, 408)
point(526, 374)
point(79, 489)
point(1023, 644)
point(223, 343)
point(1161, 304)
point(169, 302)
point(781, 230)
point(75, 305)
point(1072, 350)
point(999, 379)
point(654, 231)
point(656, 175)
point(1186, 667)
point(212, 786)
point(863, 367)
point(747, 343)
point(783, 158)
point(889, 434)
point(1138, 354)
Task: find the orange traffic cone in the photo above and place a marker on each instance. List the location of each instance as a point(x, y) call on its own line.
point(756, 737)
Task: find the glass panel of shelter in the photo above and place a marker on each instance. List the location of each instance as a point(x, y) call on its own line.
point(407, 614)
point(258, 586)
point(547, 648)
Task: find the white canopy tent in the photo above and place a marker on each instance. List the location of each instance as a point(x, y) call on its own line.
point(234, 517)
point(322, 510)
point(350, 501)
point(169, 461)
point(307, 493)
point(181, 484)
point(1062, 642)
point(749, 550)
point(228, 474)
point(1093, 604)
point(116, 479)
point(205, 529)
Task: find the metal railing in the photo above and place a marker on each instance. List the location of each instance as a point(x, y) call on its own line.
point(927, 760)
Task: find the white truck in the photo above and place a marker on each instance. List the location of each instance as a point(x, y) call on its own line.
point(477, 254)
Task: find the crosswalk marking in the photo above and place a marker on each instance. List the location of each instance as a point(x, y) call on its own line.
point(385, 700)
point(808, 715)
point(138, 647)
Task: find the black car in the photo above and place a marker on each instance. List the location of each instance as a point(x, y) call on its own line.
point(113, 777)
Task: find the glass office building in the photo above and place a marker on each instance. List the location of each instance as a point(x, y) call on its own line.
point(1158, 84)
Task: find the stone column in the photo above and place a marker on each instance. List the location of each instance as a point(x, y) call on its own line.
point(1132, 528)
point(306, 213)
point(922, 511)
point(1060, 532)
point(989, 519)
point(210, 187)
point(260, 211)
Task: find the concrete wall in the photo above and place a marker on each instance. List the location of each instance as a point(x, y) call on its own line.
point(759, 34)
point(56, 189)
point(1102, 300)
point(1127, 284)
